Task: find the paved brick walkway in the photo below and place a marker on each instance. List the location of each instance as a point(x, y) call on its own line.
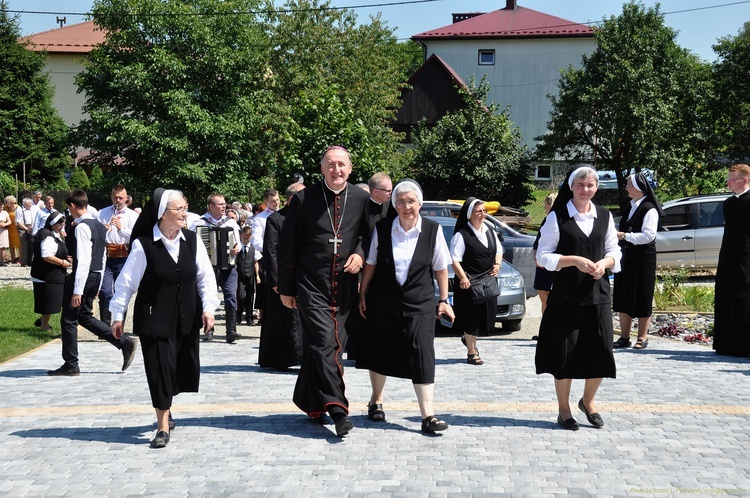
point(676, 417)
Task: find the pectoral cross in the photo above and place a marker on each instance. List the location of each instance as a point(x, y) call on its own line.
point(335, 241)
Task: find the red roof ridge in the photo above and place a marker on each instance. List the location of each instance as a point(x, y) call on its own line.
point(520, 22)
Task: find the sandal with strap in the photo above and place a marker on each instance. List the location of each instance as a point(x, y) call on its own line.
point(474, 359)
point(375, 412)
point(622, 342)
point(641, 344)
point(432, 424)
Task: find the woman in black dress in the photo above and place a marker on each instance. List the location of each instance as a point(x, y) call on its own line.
point(169, 269)
point(634, 285)
point(475, 250)
point(397, 298)
point(48, 269)
point(578, 243)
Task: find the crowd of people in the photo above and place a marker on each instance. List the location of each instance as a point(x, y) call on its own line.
point(353, 268)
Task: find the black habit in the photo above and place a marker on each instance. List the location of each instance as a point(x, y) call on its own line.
point(634, 284)
point(312, 255)
point(167, 320)
point(475, 319)
point(732, 304)
point(400, 338)
point(48, 294)
point(575, 336)
point(281, 332)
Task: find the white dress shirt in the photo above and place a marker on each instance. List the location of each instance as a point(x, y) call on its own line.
point(127, 216)
point(259, 230)
point(83, 254)
point(404, 244)
point(650, 225)
point(546, 255)
point(130, 278)
point(458, 244)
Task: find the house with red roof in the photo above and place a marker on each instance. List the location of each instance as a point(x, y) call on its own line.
point(521, 52)
point(65, 48)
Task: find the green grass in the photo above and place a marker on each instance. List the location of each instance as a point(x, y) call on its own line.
point(17, 331)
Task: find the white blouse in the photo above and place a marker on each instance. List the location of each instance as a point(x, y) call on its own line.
point(550, 237)
point(404, 244)
point(135, 266)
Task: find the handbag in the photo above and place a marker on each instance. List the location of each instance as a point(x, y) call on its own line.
point(483, 287)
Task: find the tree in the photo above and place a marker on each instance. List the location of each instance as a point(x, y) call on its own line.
point(175, 96)
point(732, 102)
point(31, 131)
point(639, 101)
point(79, 180)
point(475, 151)
point(210, 95)
point(341, 82)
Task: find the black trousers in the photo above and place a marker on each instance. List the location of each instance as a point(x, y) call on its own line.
point(245, 296)
point(84, 315)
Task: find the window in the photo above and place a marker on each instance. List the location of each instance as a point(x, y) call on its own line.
point(543, 172)
point(487, 57)
point(676, 217)
point(711, 214)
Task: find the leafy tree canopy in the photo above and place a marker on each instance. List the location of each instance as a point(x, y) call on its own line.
point(731, 75)
point(475, 151)
point(31, 131)
point(638, 101)
point(208, 95)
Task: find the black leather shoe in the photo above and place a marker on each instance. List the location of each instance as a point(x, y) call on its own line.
point(128, 352)
point(594, 418)
point(208, 335)
point(251, 323)
point(171, 422)
point(569, 424)
point(161, 440)
point(232, 337)
point(343, 425)
point(38, 322)
point(433, 424)
point(65, 370)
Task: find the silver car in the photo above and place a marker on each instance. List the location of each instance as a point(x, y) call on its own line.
point(511, 303)
point(691, 232)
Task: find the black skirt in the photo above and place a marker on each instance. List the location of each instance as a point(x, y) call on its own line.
point(543, 279)
point(48, 298)
point(634, 284)
point(576, 342)
point(401, 347)
point(472, 319)
point(172, 367)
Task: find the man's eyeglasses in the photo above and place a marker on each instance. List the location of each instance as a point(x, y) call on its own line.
point(387, 191)
point(735, 179)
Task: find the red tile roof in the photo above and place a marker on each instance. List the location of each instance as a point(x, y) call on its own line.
point(510, 23)
point(76, 39)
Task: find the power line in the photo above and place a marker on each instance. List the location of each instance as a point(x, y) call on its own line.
point(251, 12)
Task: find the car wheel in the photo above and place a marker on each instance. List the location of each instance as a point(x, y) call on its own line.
point(512, 325)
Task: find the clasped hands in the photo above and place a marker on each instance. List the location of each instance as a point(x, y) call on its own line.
point(596, 270)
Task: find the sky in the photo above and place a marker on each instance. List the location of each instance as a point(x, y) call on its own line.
point(699, 22)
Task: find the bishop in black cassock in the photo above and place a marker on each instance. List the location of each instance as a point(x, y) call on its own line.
point(319, 257)
point(732, 301)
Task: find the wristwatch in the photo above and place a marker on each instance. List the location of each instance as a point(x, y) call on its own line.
point(443, 301)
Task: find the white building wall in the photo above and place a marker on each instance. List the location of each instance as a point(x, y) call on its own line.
point(524, 73)
point(62, 69)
